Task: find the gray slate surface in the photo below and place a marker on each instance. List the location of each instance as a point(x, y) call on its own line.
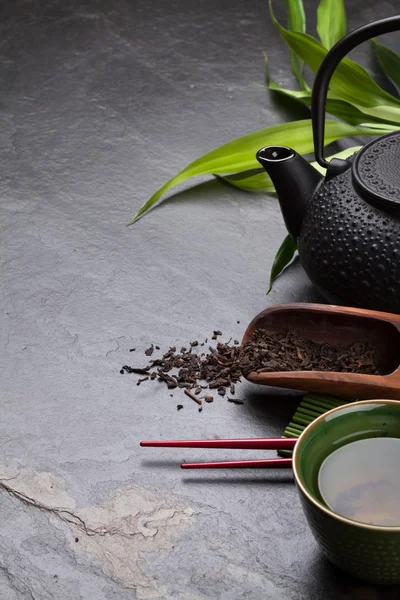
point(101, 103)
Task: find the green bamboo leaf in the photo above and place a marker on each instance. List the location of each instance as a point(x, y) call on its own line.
point(283, 258)
point(240, 154)
point(296, 15)
point(381, 128)
point(389, 61)
point(297, 22)
point(350, 81)
point(331, 22)
point(254, 180)
point(379, 119)
point(257, 180)
point(334, 106)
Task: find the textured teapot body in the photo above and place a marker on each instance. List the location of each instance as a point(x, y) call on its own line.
point(347, 225)
point(349, 248)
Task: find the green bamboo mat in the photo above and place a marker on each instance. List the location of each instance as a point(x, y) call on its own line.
point(311, 407)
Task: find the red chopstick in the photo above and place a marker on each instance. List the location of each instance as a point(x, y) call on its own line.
point(252, 443)
point(267, 463)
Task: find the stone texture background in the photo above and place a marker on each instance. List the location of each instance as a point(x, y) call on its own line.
point(101, 103)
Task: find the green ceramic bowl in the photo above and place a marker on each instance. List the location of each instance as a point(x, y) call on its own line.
point(370, 552)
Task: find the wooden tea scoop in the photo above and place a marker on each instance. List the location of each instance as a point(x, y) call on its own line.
point(337, 326)
point(253, 443)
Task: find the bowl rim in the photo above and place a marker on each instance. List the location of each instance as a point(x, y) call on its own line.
point(301, 486)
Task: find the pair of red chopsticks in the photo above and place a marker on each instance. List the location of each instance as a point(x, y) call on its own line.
point(255, 444)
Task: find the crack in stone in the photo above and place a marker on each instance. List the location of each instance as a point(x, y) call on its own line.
point(12, 579)
point(72, 519)
point(65, 515)
point(130, 525)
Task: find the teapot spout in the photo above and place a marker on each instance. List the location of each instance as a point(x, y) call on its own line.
point(295, 182)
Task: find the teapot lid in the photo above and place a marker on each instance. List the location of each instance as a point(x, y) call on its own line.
point(376, 171)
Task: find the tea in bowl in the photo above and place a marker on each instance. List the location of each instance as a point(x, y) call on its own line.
point(345, 465)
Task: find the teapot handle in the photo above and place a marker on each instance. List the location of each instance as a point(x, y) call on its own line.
point(324, 74)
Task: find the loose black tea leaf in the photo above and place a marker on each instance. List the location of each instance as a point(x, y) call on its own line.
point(221, 368)
point(136, 370)
point(149, 351)
point(271, 352)
point(234, 401)
point(192, 396)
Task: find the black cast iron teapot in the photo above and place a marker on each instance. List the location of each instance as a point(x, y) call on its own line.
point(347, 224)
